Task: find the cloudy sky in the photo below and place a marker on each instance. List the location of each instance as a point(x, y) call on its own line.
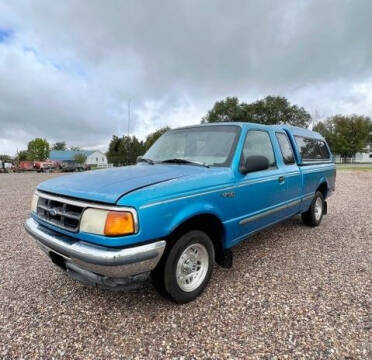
point(68, 68)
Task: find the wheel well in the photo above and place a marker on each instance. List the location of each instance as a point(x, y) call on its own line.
point(323, 188)
point(208, 223)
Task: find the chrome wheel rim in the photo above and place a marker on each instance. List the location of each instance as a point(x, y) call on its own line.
point(318, 208)
point(192, 267)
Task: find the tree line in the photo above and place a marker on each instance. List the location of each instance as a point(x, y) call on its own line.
point(122, 150)
point(125, 150)
point(39, 149)
point(268, 111)
point(346, 135)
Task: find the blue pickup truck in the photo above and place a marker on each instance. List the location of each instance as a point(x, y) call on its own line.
point(196, 193)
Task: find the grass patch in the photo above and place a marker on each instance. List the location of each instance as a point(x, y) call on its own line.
point(354, 167)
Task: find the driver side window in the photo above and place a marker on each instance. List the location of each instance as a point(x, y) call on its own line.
point(257, 142)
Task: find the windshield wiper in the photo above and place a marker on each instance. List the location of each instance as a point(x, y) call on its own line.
point(184, 161)
point(148, 161)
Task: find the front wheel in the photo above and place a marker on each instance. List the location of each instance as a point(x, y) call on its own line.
point(187, 268)
point(314, 215)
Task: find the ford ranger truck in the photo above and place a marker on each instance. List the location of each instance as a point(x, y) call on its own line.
point(196, 193)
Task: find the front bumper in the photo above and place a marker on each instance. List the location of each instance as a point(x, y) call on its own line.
point(93, 264)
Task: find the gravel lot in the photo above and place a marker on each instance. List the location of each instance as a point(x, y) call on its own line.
point(294, 292)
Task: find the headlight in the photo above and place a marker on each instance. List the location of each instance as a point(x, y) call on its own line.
point(109, 223)
point(34, 201)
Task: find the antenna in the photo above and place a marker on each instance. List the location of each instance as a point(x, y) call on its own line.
point(128, 116)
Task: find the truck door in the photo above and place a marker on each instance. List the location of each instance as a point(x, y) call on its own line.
point(291, 173)
point(260, 196)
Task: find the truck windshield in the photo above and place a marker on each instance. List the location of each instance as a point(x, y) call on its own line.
point(208, 145)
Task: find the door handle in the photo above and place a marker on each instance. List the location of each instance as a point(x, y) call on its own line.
point(281, 179)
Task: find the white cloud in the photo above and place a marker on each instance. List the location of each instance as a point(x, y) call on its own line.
point(155, 114)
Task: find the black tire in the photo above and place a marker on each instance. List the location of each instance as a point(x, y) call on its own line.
point(310, 217)
point(164, 276)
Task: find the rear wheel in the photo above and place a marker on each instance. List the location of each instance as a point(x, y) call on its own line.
point(314, 215)
point(185, 272)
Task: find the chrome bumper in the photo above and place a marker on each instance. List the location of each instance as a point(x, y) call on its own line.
point(93, 260)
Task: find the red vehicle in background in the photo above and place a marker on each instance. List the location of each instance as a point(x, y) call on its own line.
point(26, 166)
point(46, 166)
point(39, 166)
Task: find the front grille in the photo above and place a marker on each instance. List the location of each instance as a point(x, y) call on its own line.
point(59, 213)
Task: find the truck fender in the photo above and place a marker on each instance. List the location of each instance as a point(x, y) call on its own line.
point(322, 180)
point(190, 211)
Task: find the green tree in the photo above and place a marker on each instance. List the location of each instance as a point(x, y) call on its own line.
point(38, 149)
point(268, 111)
point(59, 146)
point(346, 135)
point(75, 148)
point(124, 150)
point(229, 109)
point(131, 148)
point(277, 110)
point(151, 138)
point(321, 128)
point(5, 157)
point(325, 129)
point(22, 155)
point(80, 158)
point(113, 153)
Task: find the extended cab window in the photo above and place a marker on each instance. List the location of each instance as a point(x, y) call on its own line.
point(285, 148)
point(258, 142)
point(312, 149)
point(324, 152)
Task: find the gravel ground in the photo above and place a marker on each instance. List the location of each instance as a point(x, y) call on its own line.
point(293, 292)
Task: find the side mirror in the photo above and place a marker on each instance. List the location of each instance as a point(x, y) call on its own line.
point(254, 163)
point(139, 158)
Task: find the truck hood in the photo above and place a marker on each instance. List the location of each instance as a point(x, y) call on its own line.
point(109, 185)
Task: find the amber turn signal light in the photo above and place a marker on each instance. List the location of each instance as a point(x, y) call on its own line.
point(119, 223)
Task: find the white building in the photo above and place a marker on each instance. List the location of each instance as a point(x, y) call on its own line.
point(94, 157)
point(364, 157)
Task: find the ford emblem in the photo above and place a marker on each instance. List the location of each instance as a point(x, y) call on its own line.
point(52, 212)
